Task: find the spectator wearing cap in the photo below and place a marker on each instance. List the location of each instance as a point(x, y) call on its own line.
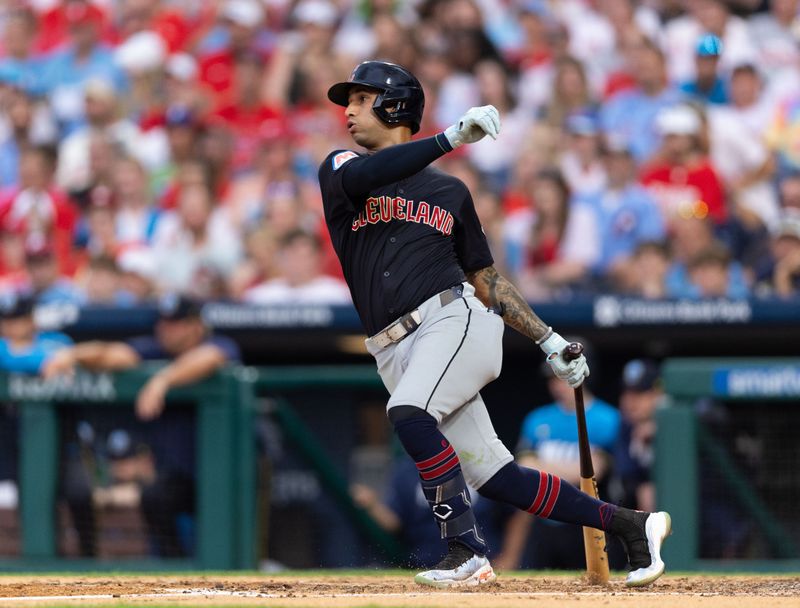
point(83, 59)
point(241, 21)
point(300, 279)
point(104, 118)
point(39, 208)
point(625, 214)
point(706, 17)
point(641, 396)
point(24, 349)
point(580, 162)
point(707, 86)
point(548, 441)
point(141, 56)
point(139, 269)
point(681, 178)
point(181, 337)
point(181, 86)
point(740, 153)
point(631, 113)
point(136, 480)
point(179, 129)
point(779, 272)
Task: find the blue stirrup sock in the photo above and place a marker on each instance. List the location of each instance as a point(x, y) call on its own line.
point(547, 496)
point(442, 481)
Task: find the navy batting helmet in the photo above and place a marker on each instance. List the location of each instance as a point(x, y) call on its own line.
point(400, 97)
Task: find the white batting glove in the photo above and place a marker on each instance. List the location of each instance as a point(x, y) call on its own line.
point(474, 126)
point(574, 372)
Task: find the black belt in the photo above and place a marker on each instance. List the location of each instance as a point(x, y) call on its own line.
point(409, 322)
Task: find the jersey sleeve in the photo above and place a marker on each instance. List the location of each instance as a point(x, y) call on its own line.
point(227, 346)
point(357, 175)
point(471, 245)
point(331, 174)
point(148, 348)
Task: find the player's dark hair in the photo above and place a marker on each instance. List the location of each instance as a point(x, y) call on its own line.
point(556, 178)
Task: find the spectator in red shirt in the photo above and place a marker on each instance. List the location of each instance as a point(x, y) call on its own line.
point(242, 19)
point(55, 22)
point(681, 178)
point(247, 115)
point(13, 274)
point(174, 26)
point(40, 208)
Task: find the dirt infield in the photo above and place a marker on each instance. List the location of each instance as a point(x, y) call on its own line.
point(394, 590)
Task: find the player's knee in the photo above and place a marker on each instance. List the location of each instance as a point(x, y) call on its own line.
point(399, 413)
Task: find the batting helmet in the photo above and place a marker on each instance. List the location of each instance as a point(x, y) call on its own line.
point(400, 97)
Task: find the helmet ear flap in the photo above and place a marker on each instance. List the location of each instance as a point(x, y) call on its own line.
point(390, 106)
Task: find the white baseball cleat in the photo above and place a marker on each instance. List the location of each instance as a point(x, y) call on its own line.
point(460, 568)
point(648, 568)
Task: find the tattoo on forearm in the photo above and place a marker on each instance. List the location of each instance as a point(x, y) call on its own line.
point(497, 292)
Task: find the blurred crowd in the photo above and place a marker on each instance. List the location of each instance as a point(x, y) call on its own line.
point(649, 148)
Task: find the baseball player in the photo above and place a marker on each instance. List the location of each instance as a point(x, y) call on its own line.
point(421, 276)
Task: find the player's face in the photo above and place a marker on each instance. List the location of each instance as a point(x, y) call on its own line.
point(364, 126)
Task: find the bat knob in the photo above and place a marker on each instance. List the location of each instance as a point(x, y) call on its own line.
point(572, 351)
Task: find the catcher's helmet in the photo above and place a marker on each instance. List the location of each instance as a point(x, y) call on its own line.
point(400, 97)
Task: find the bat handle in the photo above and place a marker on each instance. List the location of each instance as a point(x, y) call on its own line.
point(572, 351)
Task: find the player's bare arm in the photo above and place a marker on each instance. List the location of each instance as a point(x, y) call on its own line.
point(500, 294)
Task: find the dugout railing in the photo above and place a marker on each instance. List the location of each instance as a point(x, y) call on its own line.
point(225, 465)
point(692, 453)
point(227, 528)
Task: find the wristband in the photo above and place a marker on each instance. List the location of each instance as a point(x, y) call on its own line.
point(546, 335)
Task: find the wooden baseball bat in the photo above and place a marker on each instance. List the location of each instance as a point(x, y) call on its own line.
point(594, 541)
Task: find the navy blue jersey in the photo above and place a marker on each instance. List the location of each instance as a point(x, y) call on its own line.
point(402, 242)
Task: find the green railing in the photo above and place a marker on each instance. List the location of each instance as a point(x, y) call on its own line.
point(682, 441)
point(277, 383)
point(225, 499)
point(226, 502)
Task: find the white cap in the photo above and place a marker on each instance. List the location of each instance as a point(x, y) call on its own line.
point(248, 13)
point(182, 66)
point(316, 12)
point(678, 120)
point(142, 52)
point(139, 261)
point(99, 88)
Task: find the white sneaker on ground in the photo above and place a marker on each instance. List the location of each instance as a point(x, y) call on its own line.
point(460, 568)
point(657, 527)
